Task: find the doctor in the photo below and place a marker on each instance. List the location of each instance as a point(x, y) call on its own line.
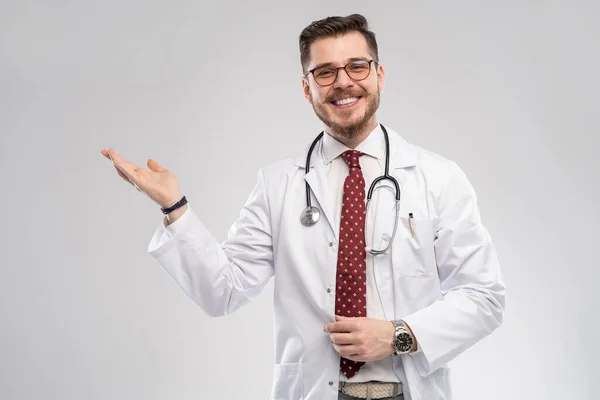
point(350, 322)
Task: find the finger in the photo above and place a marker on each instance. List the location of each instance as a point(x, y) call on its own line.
point(122, 175)
point(126, 179)
point(342, 338)
point(154, 165)
point(357, 357)
point(341, 326)
point(106, 154)
point(347, 351)
point(341, 318)
point(125, 166)
point(129, 169)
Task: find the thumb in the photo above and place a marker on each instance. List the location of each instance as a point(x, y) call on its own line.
point(341, 318)
point(154, 166)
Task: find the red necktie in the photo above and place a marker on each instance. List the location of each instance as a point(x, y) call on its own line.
point(351, 278)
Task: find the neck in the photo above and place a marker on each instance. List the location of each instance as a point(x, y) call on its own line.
point(356, 138)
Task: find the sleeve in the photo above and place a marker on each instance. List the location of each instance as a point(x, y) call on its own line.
point(219, 277)
point(473, 291)
point(175, 227)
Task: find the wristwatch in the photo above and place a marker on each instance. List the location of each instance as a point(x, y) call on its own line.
point(403, 340)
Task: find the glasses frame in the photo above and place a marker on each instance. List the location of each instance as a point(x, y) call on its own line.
point(337, 70)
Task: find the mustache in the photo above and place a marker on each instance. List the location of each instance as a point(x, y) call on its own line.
point(345, 94)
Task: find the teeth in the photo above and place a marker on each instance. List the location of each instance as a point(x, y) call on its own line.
point(345, 101)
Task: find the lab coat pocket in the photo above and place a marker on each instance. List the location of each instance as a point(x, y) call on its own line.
point(412, 251)
point(287, 382)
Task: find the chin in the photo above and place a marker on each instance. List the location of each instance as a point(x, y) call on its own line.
point(354, 118)
point(351, 124)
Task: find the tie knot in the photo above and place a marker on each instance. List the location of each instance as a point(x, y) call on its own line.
point(351, 158)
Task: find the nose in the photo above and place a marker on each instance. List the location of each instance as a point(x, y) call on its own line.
point(343, 80)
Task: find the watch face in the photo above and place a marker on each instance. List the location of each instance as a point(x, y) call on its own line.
point(403, 342)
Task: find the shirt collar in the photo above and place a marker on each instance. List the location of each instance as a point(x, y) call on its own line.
point(373, 145)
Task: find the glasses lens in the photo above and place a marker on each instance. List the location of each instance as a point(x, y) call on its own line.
point(325, 76)
point(358, 70)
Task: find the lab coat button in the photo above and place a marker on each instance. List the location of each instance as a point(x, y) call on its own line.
point(328, 290)
point(330, 244)
point(330, 383)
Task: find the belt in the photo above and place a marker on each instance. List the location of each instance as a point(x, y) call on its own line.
point(371, 390)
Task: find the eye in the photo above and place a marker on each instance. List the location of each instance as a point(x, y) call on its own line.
point(358, 66)
point(325, 73)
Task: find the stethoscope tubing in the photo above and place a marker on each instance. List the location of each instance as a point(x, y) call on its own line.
point(315, 213)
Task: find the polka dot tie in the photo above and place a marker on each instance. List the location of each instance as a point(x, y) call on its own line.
point(351, 278)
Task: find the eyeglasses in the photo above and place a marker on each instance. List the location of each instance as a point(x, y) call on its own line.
point(357, 70)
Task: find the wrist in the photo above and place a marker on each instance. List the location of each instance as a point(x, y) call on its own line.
point(393, 336)
point(172, 200)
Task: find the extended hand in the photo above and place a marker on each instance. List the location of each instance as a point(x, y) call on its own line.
point(157, 183)
point(361, 339)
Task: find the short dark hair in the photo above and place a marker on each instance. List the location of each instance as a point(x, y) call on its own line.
point(335, 26)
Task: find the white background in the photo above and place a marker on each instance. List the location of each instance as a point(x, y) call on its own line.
point(508, 90)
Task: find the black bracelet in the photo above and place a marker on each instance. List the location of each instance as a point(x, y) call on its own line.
point(175, 206)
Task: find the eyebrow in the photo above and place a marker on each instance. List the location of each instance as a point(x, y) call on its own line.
point(329, 64)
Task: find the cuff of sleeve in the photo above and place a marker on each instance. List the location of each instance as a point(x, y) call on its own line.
point(419, 356)
point(165, 237)
point(177, 226)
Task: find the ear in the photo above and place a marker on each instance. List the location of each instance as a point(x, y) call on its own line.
point(306, 89)
point(380, 77)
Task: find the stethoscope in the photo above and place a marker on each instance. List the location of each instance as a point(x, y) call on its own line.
point(311, 214)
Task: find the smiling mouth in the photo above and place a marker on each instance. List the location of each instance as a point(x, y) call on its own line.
point(346, 101)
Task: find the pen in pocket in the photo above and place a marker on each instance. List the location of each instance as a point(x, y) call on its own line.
point(410, 217)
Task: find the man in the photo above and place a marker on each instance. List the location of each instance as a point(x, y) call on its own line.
point(350, 322)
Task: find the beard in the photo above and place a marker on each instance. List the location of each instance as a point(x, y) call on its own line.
point(352, 129)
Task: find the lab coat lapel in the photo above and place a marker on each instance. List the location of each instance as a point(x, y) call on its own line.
point(317, 180)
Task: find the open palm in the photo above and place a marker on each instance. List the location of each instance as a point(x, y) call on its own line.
point(158, 183)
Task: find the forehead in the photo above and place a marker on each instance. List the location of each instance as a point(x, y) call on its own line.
point(338, 49)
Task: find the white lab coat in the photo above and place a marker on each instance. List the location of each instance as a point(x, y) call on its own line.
point(444, 281)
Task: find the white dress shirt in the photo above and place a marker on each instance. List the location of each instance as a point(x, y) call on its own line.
point(372, 166)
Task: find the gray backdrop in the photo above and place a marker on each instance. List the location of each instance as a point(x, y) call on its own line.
point(212, 91)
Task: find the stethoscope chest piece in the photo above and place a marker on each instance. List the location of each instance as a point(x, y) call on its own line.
point(310, 216)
